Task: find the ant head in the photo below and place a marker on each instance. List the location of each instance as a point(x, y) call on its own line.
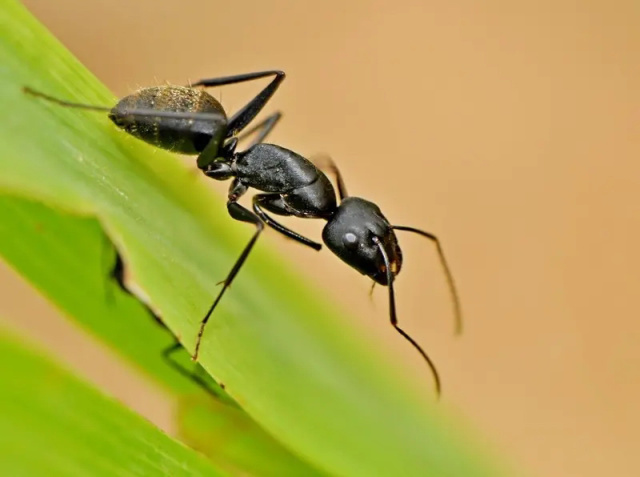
point(350, 235)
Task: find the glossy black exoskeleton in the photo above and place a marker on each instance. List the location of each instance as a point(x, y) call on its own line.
point(190, 121)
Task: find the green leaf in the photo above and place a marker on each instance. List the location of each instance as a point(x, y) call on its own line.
point(53, 424)
point(294, 364)
point(74, 277)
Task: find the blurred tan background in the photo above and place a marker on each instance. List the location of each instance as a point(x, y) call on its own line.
point(511, 131)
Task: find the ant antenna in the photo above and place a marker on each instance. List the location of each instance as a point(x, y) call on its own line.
point(394, 318)
point(452, 287)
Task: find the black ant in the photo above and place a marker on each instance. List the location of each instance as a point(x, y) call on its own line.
point(190, 121)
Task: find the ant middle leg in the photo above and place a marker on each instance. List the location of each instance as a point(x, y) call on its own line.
point(242, 214)
point(264, 127)
point(275, 204)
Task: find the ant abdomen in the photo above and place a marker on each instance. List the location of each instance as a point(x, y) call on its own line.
point(181, 135)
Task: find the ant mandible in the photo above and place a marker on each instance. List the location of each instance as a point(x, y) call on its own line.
point(187, 120)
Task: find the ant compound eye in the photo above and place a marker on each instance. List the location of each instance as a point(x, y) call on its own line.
point(350, 240)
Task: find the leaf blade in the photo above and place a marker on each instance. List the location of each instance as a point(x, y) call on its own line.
point(53, 424)
point(293, 363)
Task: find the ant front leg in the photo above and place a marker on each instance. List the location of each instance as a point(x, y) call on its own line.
point(242, 214)
point(275, 204)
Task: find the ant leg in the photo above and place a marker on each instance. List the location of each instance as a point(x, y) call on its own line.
point(205, 158)
point(242, 214)
point(394, 318)
point(117, 274)
point(193, 375)
point(233, 79)
point(242, 118)
point(236, 124)
point(217, 118)
point(265, 127)
point(324, 162)
point(447, 271)
point(274, 203)
point(62, 102)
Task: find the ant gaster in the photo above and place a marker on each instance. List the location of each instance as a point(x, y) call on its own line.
point(187, 120)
